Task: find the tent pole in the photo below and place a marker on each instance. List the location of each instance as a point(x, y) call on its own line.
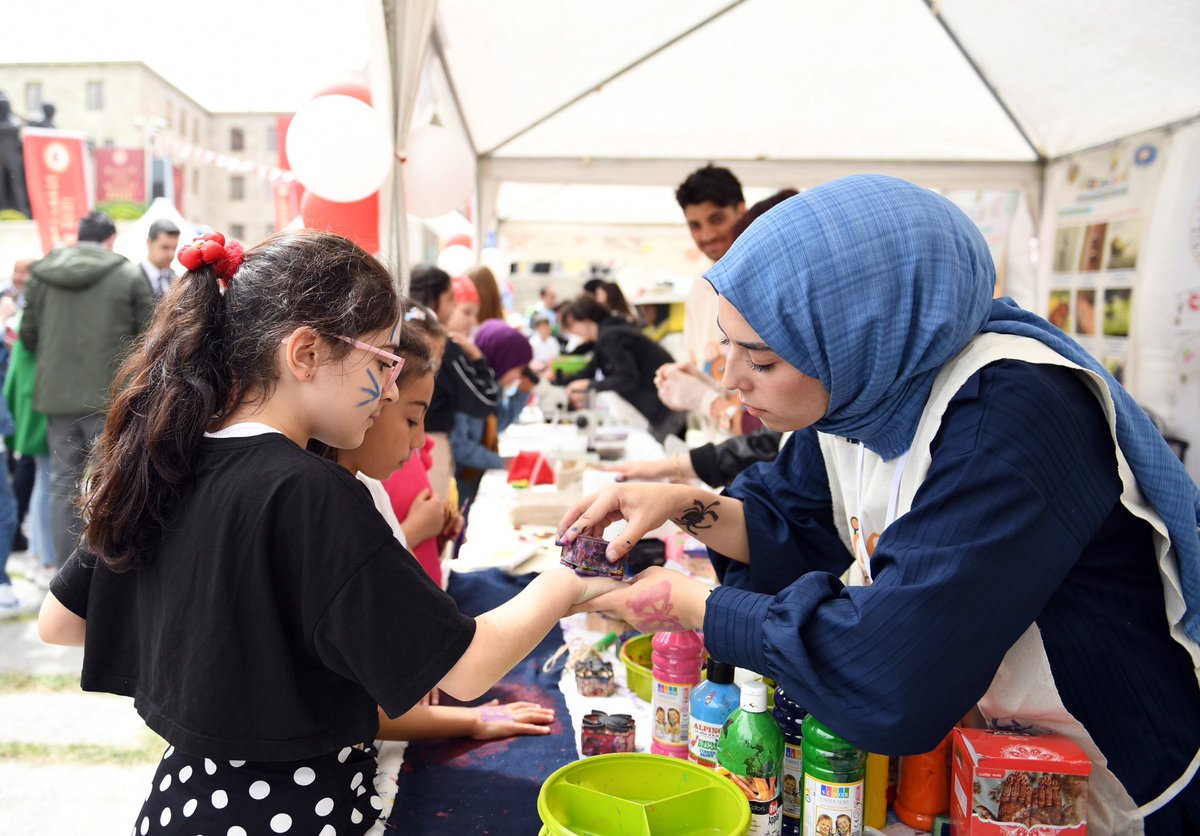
point(932, 5)
point(613, 76)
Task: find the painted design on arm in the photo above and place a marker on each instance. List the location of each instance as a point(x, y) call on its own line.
point(696, 517)
point(374, 391)
point(495, 715)
point(652, 609)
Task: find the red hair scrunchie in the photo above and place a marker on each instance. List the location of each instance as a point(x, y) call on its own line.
point(211, 249)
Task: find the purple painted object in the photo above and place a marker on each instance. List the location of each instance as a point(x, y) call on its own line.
point(586, 557)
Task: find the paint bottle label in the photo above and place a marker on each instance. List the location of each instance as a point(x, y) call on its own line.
point(793, 781)
point(831, 809)
point(702, 742)
point(671, 709)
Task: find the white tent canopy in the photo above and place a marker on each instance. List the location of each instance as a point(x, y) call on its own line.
point(957, 93)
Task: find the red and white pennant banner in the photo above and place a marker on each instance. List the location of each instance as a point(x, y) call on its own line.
point(164, 146)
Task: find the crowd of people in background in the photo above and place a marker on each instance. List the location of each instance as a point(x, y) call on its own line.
point(70, 318)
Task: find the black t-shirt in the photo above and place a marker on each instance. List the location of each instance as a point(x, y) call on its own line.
point(277, 612)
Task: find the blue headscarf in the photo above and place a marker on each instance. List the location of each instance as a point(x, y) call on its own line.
point(871, 284)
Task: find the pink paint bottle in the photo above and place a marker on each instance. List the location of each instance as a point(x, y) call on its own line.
point(677, 659)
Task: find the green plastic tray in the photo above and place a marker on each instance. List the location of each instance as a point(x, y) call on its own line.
point(629, 794)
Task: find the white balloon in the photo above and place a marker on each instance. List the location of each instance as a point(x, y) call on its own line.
point(438, 170)
point(496, 261)
point(339, 148)
point(456, 259)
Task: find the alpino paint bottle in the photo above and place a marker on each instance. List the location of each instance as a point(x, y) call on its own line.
point(712, 703)
point(750, 753)
point(789, 715)
point(834, 772)
point(676, 664)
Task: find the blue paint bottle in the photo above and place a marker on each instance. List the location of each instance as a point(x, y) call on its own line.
point(711, 704)
point(790, 716)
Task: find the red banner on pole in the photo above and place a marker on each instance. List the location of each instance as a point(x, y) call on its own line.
point(120, 174)
point(55, 171)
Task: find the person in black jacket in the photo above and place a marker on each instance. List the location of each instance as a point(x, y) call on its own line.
point(627, 360)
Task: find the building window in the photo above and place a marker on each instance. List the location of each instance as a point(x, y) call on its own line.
point(196, 181)
point(33, 98)
point(237, 187)
point(272, 139)
point(182, 122)
point(170, 114)
point(237, 139)
point(270, 231)
point(95, 95)
point(196, 131)
point(237, 231)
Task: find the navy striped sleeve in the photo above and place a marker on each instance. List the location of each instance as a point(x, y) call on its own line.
point(1018, 486)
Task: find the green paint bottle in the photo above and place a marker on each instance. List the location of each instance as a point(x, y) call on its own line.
point(750, 753)
point(834, 773)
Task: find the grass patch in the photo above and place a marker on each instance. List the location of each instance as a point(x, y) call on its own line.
point(46, 754)
point(22, 681)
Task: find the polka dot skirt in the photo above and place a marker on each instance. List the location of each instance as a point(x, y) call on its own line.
point(326, 795)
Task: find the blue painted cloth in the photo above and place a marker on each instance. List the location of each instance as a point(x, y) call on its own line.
point(459, 785)
point(871, 284)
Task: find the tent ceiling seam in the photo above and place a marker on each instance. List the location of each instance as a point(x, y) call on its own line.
point(614, 76)
point(932, 6)
point(440, 51)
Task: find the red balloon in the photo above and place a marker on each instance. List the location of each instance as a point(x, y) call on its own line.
point(461, 240)
point(346, 88)
point(358, 221)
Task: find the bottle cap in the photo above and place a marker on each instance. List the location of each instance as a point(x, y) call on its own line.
point(719, 673)
point(754, 697)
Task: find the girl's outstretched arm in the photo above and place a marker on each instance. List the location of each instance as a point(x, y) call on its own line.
point(489, 721)
point(58, 625)
point(506, 635)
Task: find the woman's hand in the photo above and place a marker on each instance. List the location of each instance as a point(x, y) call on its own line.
point(511, 719)
point(676, 468)
point(686, 390)
point(660, 600)
point(642, 471)
point(425, 517)
point(645, 507)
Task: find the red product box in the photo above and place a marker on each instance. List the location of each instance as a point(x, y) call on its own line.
point(1014, 783)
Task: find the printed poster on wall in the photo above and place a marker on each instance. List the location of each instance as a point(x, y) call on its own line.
point(1098, 211)
point(56, 174)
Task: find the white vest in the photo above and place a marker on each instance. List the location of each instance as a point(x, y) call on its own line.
point(875, 492)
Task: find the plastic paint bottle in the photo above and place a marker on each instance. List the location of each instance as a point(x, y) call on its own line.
point(834, 770)
point(750, 753)
point(789, 715)
point(712, 703)
point(676, 670)
point(875, 791)
point(923, 792)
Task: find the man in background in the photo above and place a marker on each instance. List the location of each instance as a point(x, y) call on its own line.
point(160, 252)
point(712, 203)
point(84, 306)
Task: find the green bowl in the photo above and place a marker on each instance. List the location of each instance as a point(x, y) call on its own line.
point(636, 654)
point(570, 364)
point(634, 794)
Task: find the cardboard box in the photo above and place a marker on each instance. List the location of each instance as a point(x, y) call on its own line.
point(1006, 783)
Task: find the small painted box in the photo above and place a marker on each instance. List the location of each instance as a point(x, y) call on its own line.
point(594, 676)
point(586, 556)
point(604, 734)
point(1012, 782)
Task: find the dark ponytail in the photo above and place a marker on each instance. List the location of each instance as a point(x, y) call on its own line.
point(205, 354)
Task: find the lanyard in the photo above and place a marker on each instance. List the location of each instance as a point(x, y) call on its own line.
point(860, 545)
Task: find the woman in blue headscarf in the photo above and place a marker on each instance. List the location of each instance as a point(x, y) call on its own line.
point(1017, 535)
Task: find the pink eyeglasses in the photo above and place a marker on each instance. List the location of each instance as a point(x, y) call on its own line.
point(393, 369)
